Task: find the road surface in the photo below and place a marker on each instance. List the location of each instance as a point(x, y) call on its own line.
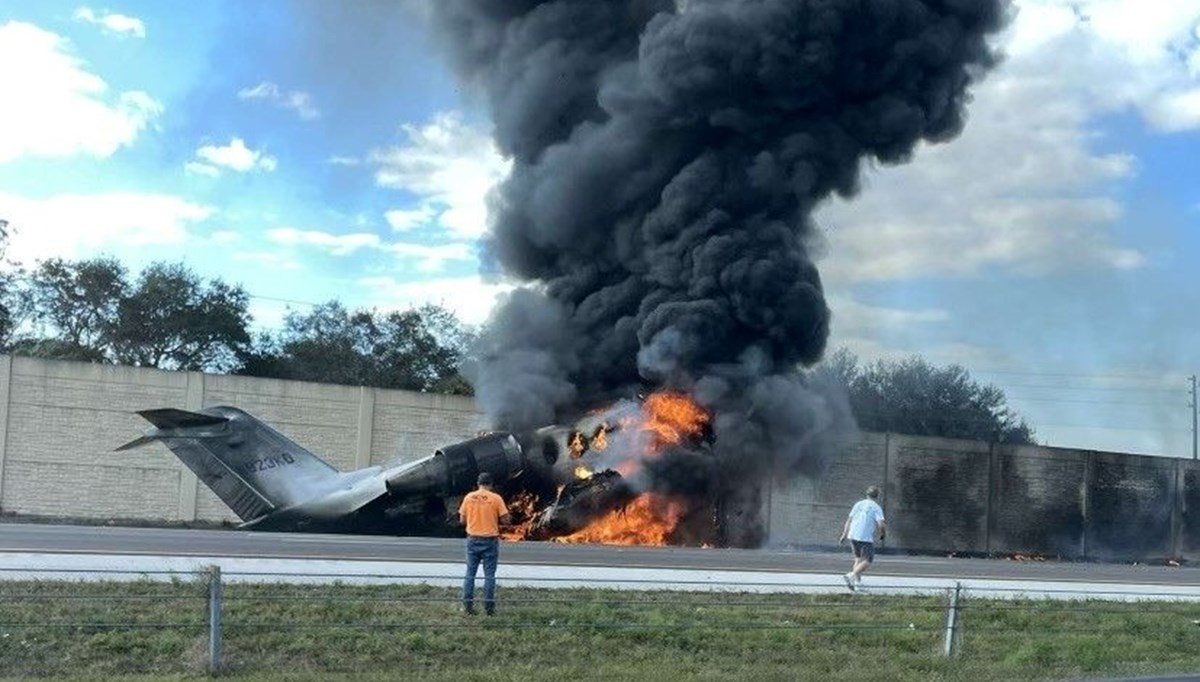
point(44, 539)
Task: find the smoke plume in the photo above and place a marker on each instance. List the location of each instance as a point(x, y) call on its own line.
point(667, 157)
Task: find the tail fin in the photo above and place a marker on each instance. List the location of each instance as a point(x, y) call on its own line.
point(253, 468)
point(171, 418)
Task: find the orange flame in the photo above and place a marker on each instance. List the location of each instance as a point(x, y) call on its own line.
point(600, 440)
point(576, 445)
point(666, 419)
point(523, 508)
point(648, 520)
point(672, 417)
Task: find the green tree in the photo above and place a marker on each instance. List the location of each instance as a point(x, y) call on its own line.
point(14, 305)
point(913, 396)
point(419, 349)
point(173, 319)
point(79, 301)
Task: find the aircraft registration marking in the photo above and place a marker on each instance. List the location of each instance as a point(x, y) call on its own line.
point(271, 462)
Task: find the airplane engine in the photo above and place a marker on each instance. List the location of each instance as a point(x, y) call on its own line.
point(453, 469)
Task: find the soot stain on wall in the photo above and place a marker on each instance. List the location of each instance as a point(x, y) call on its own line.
point(1130, 510)
point(942, 501)
point(1038, 506)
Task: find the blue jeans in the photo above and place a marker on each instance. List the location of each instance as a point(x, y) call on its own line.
point(487, 551)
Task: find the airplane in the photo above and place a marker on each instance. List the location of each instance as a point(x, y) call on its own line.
point(273, 484)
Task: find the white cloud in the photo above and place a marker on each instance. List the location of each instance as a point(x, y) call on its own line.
point(235, 156)
point(80, 225)
point(343, 161)
point(470, 298)
point(197, 168)
point(296, 100)
point(432, 258)
point(224, 237)
point(404, 220)
point(429, 257)
point(267, 314)
point(1176, 111)
point(1024, 189)
point(1120, 53)
point(337, 244)
point(854, 318)
point(450, 166)
point(54, 107)
point(112, 23)
point(270, 259)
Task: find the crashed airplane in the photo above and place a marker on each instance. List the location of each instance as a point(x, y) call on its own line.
point(273, 484)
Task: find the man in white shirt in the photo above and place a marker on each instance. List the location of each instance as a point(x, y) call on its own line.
point(866, 516)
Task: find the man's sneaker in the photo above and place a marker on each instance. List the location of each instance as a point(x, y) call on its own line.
point(849, 578)
point(468, 609)
point(490, 612)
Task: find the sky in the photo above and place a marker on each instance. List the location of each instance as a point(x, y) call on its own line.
point(312, 151)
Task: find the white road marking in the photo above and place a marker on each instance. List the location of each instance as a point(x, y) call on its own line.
point(29, 566)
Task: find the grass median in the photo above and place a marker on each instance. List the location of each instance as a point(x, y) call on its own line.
point(158, 631)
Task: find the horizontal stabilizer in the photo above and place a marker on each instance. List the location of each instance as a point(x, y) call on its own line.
point(171, 418)
point(136, 443)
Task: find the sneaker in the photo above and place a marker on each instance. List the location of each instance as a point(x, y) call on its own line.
point(849, 578)
point(468, 609)
point(490, 612)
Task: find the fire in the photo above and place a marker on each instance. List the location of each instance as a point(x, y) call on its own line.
point(648, 520)
point(577, 445)
point(672, 417)
point(523, 508)
point(628, 437)
point(600, 440)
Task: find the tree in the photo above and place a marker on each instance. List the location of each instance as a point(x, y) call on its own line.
point(79, 300)
point(172, 319)
point(419, 349)
point(326, 345)
point(13, 300)
point(913, 396)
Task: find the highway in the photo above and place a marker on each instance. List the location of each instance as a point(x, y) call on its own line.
point(48, 539)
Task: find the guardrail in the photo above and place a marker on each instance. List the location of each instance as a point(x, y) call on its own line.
point(209, 606)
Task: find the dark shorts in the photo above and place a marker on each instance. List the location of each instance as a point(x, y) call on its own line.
point(863, 550)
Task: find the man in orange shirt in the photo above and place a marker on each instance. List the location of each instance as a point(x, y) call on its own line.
point(482, 511)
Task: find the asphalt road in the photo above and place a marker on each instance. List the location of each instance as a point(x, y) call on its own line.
point(47, 538)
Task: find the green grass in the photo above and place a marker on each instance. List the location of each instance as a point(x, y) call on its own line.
point(287, 632)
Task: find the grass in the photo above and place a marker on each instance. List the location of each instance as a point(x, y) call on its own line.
point(289, 632)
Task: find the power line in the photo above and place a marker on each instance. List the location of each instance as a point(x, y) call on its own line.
point(283, 300)
point(951, 419)
point(1113, 389)
point(1140, 377)
point(1093, 402)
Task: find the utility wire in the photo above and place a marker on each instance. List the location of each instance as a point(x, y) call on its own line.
point(1137, 377)
point(1113, 389)
point(1094, 402)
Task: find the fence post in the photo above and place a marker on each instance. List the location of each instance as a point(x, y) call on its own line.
point(952, 620)
point(214, 618)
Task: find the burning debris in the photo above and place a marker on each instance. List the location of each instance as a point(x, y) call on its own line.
point(580, 502)
point(606, 483)
point(666, 160)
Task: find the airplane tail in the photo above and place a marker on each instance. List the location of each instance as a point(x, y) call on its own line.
point(253, 468)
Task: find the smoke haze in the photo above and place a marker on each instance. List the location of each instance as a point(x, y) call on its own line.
point(666, 162)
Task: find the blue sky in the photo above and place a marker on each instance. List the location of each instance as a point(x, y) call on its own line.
point(314, 150)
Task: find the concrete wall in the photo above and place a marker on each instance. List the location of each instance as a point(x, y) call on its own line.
point(943, 495)
point(60, 421)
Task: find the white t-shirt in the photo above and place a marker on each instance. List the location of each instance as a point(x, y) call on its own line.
point(864, 516)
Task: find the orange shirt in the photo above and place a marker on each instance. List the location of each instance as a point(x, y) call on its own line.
point(482, 509)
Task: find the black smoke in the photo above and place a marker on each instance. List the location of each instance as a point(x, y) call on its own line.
point(667, 157)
